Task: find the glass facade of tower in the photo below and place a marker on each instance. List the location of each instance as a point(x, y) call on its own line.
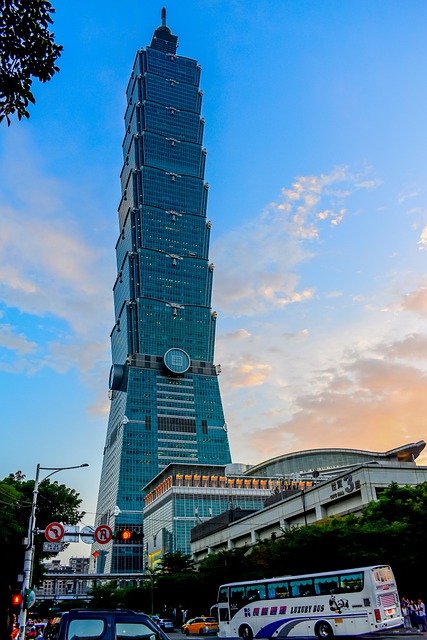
point(165, 400)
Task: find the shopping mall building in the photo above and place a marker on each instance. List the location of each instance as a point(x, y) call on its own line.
point(200, 509)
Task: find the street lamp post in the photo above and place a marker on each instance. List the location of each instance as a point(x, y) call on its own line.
point(29, 550)
point(303, 506)
point(149, 571)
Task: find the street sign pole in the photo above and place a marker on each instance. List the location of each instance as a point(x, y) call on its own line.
point(30, 549)
point(29, 555)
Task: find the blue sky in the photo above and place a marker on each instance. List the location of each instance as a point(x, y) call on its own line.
point(316, 136)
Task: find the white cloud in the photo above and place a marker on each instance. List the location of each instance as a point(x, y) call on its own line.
point(422, 242)
point(415, 301)
point(284, 387)
point(9, 339)
point(50, 270)
point(408, 195)
point(240, 334)
point(257, 262)
point(357, 380)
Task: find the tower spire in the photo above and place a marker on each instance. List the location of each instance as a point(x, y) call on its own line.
point(163, 39)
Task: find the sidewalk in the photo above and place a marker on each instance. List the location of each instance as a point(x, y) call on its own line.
point(399, 631)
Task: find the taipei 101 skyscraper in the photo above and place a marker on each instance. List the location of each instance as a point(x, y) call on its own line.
point(165, 400)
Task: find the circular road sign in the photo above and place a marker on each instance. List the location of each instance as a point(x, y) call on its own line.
point(103, 534)
point(86, 534)
point(54, 532)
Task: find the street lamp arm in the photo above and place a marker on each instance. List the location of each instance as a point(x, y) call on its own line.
point(56, 469)
point(37, 483)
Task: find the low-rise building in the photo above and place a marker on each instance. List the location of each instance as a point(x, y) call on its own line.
point(185, 504)
point(184, 495)
point(347, 492)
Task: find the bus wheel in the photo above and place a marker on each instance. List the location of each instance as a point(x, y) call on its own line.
point(323, 630)
point(245, 632)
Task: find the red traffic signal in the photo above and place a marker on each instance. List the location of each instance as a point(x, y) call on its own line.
point(16, 599)
point(127, 535)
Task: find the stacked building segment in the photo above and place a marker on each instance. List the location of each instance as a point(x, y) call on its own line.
point(165, 400)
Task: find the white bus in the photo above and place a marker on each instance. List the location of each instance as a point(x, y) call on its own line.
point(348, 602)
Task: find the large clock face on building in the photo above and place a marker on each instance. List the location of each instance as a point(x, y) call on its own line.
point(177, 361)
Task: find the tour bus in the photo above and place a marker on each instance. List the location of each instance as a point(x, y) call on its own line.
point(348, 602)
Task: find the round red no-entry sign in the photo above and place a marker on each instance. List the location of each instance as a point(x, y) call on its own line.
point(103, 534)
point(54, 532)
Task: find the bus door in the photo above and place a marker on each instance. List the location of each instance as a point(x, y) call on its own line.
point(223, 610)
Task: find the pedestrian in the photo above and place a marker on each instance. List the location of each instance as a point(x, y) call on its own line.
point(404, 606)
point(413, 613)
point(421, 613)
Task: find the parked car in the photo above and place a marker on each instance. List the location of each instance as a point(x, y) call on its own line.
point(201, 626)
point(166, 624)
point(105, 624)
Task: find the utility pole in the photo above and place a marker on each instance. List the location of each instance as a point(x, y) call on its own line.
point(30, 548)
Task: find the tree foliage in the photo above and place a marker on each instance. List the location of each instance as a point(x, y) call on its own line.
point(112, 596)
point(175, 562)
point(106, 596)
point(174, 577)
point(55, 502)
point(391, 530)
point(228, 566)
point(27, 50)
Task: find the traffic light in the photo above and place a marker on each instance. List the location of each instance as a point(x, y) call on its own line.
point(16, 599)
point(127, 535)
point(23, 600)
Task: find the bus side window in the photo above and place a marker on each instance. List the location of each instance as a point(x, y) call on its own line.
point(262, 592)
point(223, 594)
point(351, 582)
point(255, 592)
point(307, 589)
point(252, 594)
point(301, 588)
point(278, 590)
point(326, 586)
point(237, 597)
